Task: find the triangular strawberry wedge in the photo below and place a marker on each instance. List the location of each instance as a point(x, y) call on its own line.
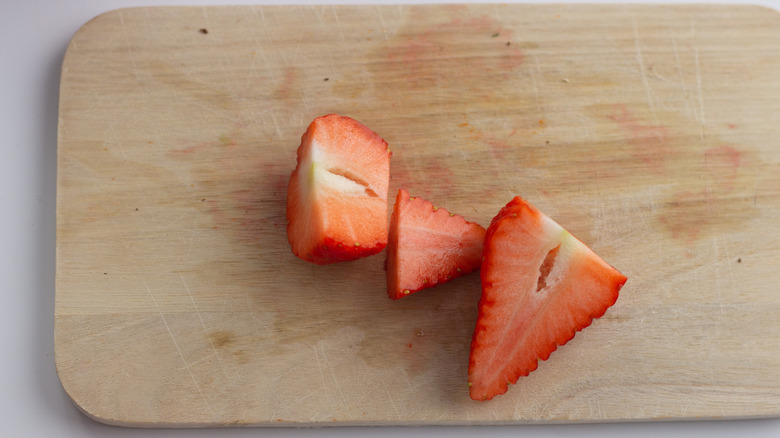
point(540, 285)
point(337, 195)
point(428, 246)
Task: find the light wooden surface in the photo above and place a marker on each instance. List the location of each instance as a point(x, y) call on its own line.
point(651, 133)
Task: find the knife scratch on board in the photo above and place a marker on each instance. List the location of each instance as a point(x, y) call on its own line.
point(389, 396)
point(382, 22)
point(203, 325)
point(698, 78)
point(336, 382)
point(682, 78)
point(642, 74)
point(319, 364)
point(533, 82)
point(338, 23)
point(259, 14)
point(178, 350)
point(716, 273)
point(128, 46)
point(416, 407)
point(319, 12)
point(699, 88)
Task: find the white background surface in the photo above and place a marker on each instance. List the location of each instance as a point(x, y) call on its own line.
point(33, 38)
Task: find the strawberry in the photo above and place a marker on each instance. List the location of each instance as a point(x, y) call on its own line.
point(540, 285)
point(337, 195)
point(428, 246)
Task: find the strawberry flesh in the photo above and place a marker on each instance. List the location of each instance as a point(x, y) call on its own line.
point(540, 285)
point(337, 194)
point(428, 246)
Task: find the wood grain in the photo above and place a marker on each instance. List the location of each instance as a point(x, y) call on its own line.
point(650, 132)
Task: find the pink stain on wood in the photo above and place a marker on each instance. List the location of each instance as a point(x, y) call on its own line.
point(225, 140)
point(650, 143)
point(722, 164)
point(686, 214)
point(717, 205)
point(500, 146)
point(288, 83)
point(431, 176)
point(431, 57)
point(513, 60)
point(724, 156)
point(252, 188)
point(189, 150)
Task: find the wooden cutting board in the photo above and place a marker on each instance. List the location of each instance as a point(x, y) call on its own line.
point(652, 133)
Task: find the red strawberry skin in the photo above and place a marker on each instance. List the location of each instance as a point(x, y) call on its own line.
point(428, 246)
point(540, 285)
point(337, 194)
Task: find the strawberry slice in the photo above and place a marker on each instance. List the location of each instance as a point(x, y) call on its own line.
point(337, 195)
point(540, 285)
point(428, 246)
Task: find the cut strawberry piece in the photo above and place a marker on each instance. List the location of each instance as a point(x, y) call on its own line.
point(540, 285)
point(428, 246)
point(337, 195)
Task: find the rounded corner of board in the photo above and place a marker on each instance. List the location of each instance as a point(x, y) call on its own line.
point(765, 10)
point(93, 22)
point(77, 398)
